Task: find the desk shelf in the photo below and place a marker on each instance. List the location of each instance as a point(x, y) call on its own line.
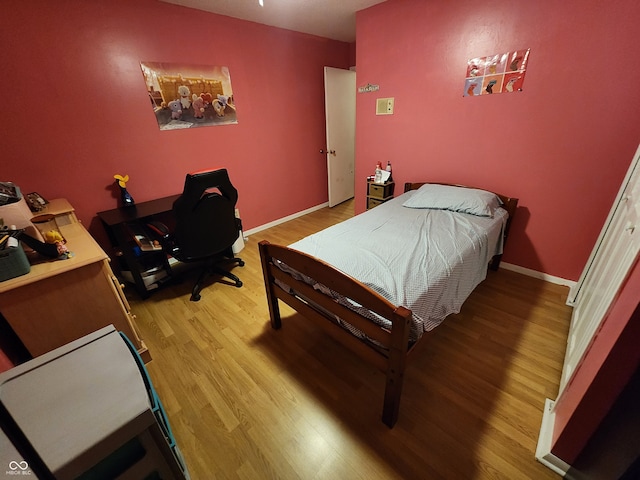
point(119, 224)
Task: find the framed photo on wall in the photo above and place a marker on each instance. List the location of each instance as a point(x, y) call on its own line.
point(501, 73)
point(189, 96)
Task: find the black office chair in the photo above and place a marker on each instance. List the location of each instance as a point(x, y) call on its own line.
point(206, 226)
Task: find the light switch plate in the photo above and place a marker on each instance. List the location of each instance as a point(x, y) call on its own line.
point(384, 106)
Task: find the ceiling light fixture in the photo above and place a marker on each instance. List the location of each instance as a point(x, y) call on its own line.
point(261, 2)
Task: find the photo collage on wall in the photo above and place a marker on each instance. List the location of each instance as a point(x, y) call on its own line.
point(501, 73)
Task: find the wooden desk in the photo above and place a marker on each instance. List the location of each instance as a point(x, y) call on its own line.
point(116, 223)
point(59, 301)
point(120, 215)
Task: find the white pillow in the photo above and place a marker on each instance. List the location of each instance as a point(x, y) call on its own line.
point(455, 199)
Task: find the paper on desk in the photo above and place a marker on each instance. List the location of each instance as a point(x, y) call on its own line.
point(384, 176)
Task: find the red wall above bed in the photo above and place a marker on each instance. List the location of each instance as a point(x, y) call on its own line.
point(562, 145)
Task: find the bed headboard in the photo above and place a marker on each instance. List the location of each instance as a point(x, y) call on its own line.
point(510, 204)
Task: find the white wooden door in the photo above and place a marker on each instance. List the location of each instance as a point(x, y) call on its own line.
point(340, 111)
point(613, 256)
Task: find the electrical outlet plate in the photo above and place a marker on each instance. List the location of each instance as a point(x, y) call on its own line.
point(384, 106)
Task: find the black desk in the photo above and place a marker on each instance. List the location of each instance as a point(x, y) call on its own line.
point(117, 223)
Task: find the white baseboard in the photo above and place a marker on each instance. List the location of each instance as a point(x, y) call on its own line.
point(543, 449)
point(542, 276)
point(284, 219)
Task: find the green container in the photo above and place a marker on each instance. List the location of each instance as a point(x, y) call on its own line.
point(13, 263)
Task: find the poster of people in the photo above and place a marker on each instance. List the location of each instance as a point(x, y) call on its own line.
point(189, 96)
point(501, 73)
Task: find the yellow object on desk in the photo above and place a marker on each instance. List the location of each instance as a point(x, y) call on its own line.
point(53, 236)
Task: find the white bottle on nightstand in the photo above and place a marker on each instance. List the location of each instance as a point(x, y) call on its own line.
point(378, 176)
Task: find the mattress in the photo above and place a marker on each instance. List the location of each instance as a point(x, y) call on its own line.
point(428, 261)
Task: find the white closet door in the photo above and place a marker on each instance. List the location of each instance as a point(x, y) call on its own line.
point(613, 256)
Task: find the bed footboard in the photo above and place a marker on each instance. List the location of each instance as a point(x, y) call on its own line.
point(388, 347)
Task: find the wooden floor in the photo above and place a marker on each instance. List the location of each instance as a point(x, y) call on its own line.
point(245, 401)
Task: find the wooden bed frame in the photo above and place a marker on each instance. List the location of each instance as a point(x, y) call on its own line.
point(392, 354)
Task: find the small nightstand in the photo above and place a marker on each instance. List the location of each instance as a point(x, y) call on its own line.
point(378, 193)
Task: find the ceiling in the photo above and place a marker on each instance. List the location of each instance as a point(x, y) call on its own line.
point(334, 19)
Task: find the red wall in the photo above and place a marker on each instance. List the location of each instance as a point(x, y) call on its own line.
point(77, 111)
point(562, 145)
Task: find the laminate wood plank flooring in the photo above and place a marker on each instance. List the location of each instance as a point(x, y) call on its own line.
point(248, 402)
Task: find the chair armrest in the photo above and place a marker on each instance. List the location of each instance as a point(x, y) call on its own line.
point(159, 229)
point(165, 237)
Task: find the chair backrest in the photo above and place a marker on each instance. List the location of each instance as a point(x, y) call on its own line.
point(205, 215)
